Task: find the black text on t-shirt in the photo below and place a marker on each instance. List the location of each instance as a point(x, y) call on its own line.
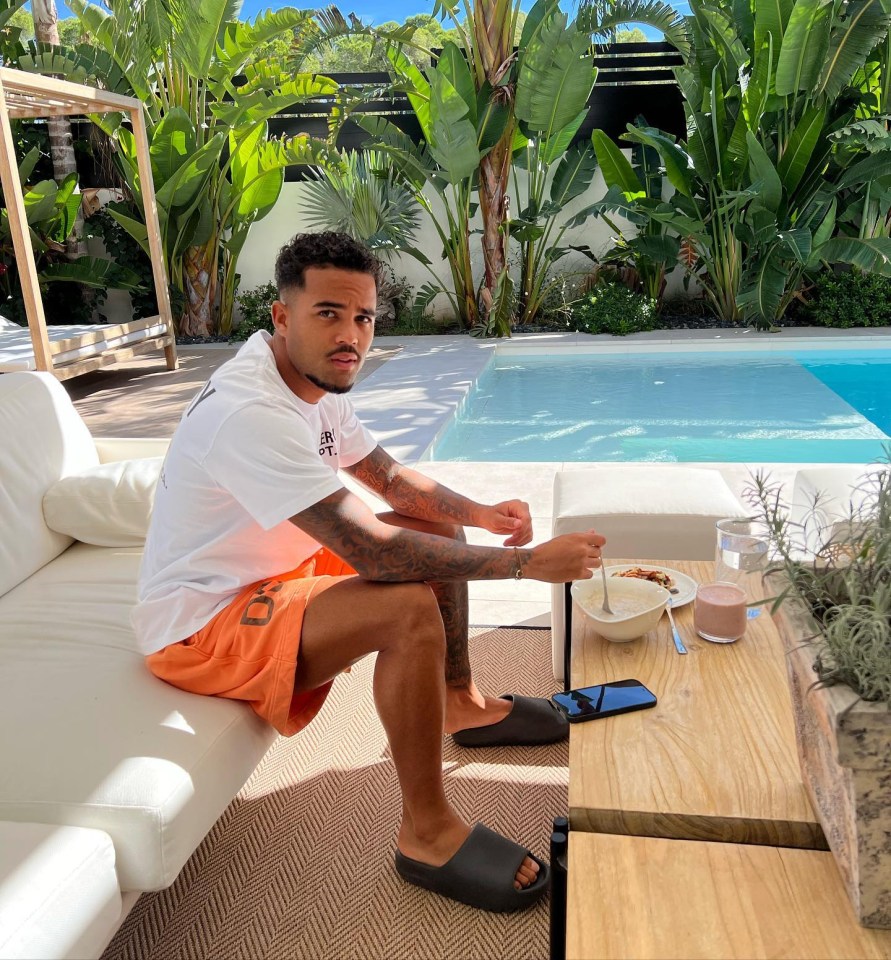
point(326, 444)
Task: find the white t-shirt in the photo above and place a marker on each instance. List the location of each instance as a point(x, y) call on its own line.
point(247, 455)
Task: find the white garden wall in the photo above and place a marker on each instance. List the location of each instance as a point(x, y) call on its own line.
point(257, 261)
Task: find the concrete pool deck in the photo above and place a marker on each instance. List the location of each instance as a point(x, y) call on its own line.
point(409, 390)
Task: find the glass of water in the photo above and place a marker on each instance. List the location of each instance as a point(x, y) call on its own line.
point(741, 556)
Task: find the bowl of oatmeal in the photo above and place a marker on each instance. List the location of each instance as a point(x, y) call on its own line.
point(637, 606)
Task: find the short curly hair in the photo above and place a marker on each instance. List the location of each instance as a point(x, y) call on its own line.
point(328, 249)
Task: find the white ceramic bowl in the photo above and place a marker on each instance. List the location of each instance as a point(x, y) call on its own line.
point(649, 597)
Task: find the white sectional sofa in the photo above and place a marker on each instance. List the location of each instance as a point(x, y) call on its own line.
point(110, 777)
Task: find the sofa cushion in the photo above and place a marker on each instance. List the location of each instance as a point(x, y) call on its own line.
point(59, 893)
point(825, 501)
point(101, 743)
point(108, 505)
point(44, 439)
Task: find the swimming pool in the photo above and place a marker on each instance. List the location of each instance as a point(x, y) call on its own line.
point(829, 406)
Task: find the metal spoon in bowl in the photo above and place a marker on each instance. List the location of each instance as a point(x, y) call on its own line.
point(606, 607)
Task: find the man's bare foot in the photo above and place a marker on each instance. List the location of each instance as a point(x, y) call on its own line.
point(466, 708)
point(441, 846)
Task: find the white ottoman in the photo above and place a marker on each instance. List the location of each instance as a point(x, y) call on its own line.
point(645, 511)
point(59, 895)
point(826, 499)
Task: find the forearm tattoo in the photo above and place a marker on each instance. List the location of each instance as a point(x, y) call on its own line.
point(376, 551)
point(452, 600)
point(411, 493)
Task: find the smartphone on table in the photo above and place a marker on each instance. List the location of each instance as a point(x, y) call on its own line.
point(604, 700)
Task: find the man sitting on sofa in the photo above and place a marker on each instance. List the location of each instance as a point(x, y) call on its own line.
point(264, 577)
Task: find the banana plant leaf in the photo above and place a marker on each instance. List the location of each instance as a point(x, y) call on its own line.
point(174, 141)
point(573, 175)
point(256, 182)
point(453, 143)
point(492, 118)
point(196, 28)
point(617, 170)
point(765, 173)
point(525, 231)
point(797, 244)
point(732, 54)
point(659, 247)
point(805, 43)
point(136, 228)
point(453, 65)
point(824, 230)
point(67, 208)
point(238, 40)
point(27, 165)
point(615, 201)
point(189, 181)
point(676, 161)
point(40, 201)
point(800, 147)
point(871, 256)
point(771, 17)
point(92, 272)
point(418, 91)
point(853, 38)
point(762, 287)
point(555, 75)
point(259, 105)
point(555, 146)
point(701, 146)
point(761, 81)
point(870, 169)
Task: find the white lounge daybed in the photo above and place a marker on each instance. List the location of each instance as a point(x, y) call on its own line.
point(89, 346)
point(70, 350)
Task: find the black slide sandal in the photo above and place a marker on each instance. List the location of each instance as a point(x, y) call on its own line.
point(532, 721)
point(481, 873)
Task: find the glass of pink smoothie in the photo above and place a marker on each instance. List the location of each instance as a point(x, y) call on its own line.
point(719, 612)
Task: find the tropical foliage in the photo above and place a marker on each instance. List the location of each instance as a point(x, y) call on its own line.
point(51, 212)
point(481, 102)
point(774, 177)
point(216, 170)
point(361, 196)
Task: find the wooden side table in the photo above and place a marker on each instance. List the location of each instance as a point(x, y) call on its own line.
point(655, 899)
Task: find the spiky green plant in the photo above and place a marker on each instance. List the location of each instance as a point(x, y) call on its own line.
point(841, 572)
point(363, 198)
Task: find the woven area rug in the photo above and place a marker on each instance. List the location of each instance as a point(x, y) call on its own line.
point(300, 864)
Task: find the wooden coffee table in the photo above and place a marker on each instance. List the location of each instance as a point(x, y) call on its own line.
point(714, 760)
point(683, 899)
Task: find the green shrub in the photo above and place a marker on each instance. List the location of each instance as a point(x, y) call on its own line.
point(613, 308)
point(256, 310)
point(852, 299)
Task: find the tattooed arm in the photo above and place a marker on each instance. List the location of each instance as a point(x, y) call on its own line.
point(380, 551)
point(412, 494)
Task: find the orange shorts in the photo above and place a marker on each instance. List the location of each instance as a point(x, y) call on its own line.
point(249, 650)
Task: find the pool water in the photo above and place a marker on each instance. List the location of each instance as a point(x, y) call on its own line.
point(802, 406)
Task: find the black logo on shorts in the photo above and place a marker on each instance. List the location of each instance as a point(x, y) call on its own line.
point(261, 605)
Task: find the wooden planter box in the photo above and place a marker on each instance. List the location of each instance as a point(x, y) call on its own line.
point(844, 745)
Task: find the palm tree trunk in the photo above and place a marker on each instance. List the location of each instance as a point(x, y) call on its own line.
point(493, 40)
point(494, 209)
point(46, 30)
point(199, 274)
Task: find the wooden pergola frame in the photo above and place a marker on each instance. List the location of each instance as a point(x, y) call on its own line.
point(28, 95)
